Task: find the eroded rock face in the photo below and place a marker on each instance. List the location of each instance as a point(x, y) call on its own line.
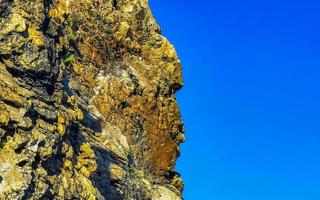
point(87, 104)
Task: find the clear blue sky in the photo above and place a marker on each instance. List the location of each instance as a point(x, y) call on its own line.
point(251, 101)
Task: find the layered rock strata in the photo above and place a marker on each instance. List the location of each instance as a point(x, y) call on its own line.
point(87, 102)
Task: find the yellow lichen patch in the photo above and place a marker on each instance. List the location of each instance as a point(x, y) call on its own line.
point(10, 90)
point(45, 152)
point(85, 171)
point(19, 139)
point(61, 120)
point(68, 151)
point(73, 100)
point(36, 36)
point(177, 182)
point(17, 23)
point(84, 73)
point(68, 186)
point(61, 129)
point(89, 192)
point(9, 172)
point(77, 67)
point(181, 138)
point(75, 114)
point(4, 116)
point(116, 172)
point(68, 164)
point(38, 135)
point(7, 94)
point(25, 123)
point(87, 151)
point(122, 31)
point(86, 160)
point(44, 125)
point(61, 191)
point(60, 10)
point(79, 114)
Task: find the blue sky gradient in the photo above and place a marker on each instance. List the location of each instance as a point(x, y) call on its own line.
point(251, 101)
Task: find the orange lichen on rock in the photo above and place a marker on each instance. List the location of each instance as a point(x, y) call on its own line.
point(60, 10)
point(91, 53)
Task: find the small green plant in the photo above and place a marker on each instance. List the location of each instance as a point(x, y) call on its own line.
point(72, 23)
point(68, 58)
point(71, 37)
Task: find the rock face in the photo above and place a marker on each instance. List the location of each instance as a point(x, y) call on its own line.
point(87, 104)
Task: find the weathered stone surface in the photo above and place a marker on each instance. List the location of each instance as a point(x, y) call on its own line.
point(87, 102)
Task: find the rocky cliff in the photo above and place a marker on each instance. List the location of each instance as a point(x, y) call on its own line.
point(87, 104)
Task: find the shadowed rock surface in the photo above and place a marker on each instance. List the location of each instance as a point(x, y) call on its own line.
point(87, 104)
